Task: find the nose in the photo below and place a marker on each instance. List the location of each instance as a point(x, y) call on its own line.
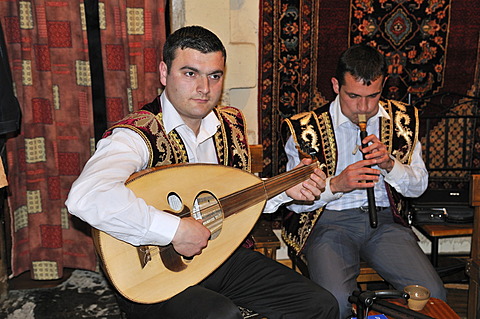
point(362, 105)
point(203, 85)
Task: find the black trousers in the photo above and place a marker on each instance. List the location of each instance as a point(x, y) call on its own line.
point(247, 279)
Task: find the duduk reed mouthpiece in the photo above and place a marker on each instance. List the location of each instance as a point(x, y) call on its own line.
point(362, 122)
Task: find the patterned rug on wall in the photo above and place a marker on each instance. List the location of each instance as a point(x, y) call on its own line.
point(430, 47)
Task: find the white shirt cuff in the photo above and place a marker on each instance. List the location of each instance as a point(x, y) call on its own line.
point(327, 195)
point(275, 202)
point(162, 228)
point(397, 171)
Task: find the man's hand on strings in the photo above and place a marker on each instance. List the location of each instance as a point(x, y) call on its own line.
point(310, 189)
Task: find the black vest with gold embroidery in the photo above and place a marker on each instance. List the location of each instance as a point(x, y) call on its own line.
point(230, 138)
point(313, 134)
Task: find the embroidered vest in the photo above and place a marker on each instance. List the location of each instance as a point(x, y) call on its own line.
point(313, 134)
point(230, 139)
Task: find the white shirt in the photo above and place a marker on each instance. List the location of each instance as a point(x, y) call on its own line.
point(99, 195)
point(409, 180)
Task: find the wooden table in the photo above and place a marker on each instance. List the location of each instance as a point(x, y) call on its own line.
point(434, 308)
point(434, 232)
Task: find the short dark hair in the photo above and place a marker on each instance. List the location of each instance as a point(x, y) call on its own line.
point(363, 62)
point(191, 37)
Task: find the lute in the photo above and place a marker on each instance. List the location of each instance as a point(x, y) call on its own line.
point(228, 200)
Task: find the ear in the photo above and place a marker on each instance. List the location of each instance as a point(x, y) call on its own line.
point(163, 73)
point(335, 85)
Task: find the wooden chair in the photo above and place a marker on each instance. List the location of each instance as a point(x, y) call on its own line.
point(367, 275)
point(256, 155)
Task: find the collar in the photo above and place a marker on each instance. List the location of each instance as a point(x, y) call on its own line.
point(172, 120)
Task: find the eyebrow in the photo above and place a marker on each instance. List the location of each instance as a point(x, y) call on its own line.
point(198, 71)
point(352, 93)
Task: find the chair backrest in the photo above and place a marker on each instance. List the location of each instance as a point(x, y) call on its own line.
point(256, 153)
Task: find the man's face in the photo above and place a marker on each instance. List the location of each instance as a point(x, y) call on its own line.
point(358, 98)
point(194, 83)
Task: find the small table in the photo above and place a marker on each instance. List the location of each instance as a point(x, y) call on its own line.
point(436, 231)
point(434, 308)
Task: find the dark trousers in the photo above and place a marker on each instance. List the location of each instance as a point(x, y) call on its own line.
point(247, 279)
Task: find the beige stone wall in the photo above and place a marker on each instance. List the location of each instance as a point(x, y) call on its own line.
point(236, 24)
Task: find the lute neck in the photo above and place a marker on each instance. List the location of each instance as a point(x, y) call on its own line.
point(265, 189)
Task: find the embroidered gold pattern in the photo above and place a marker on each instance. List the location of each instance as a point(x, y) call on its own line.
point(329, 146)
point(239, 150)
point(220, 145)
point(309, 135)
point(403, 131)
point(172, 150)
point(220, 142)
point(386, 128)
point(179, 150)
point(238, 135)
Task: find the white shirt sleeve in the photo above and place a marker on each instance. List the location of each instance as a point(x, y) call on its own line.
point(100, 197)
point(409, 180)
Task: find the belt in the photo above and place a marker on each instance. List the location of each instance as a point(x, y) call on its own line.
point(378, 208)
